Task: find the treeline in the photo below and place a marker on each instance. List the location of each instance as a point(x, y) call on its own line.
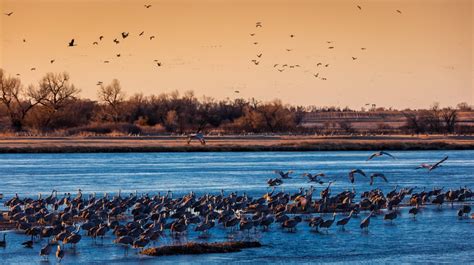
point(54, 106)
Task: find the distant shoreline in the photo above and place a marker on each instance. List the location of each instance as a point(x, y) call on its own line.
point(253, 143)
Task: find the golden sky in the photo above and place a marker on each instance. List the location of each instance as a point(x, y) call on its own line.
point(412, 59)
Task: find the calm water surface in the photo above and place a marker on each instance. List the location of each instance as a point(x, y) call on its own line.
point(437, 236)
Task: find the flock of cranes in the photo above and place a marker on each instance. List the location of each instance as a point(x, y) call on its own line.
point(317, 178)
point(138, 220)
point(280, 67)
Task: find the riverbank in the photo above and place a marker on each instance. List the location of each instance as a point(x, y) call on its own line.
point(231, 143)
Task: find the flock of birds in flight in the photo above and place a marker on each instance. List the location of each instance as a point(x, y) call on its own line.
point(280, 67)
point(316, 178)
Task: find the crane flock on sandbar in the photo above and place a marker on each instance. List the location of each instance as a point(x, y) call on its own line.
point(140, 220)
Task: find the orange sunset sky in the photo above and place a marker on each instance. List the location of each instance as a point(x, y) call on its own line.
point(411, 59)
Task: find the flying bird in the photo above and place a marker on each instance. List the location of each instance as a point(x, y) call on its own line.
point(106, 61)
point(252, 34)
point(158, 63)
point(363, 49)
point(359, 7)
point(141, 33)
point(52, 61)
point(399, 11)
point(316, 75)
point(236, 91)
point(24, 40)
point(331, 47)
point(258, 24)
point(99, 83)
point(324, 78)
point(355, 171)
point(381, 153)
point(9, 14)
point(124, 34)
point(95, 43)
point(255, 43)
point(281, 70)
point(283, 175)
point(354, 58)
point(101, 37)
point(116, 41)
point(259, 55)
point(33, 69)
point(152, 37)
point(433, 166)
point(326, 65)
point(377, 175)
point(118, 55)
point(71, 43)
point(318, 64)
point(314, 178)
point(147, 6)
point(288, 50)
point(275, 65)
point(291, 36)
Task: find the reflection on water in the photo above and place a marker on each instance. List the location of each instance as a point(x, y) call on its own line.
point(436, 236)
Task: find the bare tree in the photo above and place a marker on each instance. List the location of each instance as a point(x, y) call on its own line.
point(450, 119)
point(16, 100)
point(113, 97)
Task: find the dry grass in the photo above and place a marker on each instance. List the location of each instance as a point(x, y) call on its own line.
point(231, 143)
point(200, 248)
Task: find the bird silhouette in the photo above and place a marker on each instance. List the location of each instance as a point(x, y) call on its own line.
point(318, 64)
point(275, 65)
point(52, 61)
point(354, 58)
point(359, 7)
point(124, 34)
point(95, 43)
point(281, 70)
point(141, 33)
point(255, 43)
point(158, 64)
point(236, 91)
point(380, 153)
point(259, 55)
point(24, 40)
point(288, 50)
point(331, 47)
point(71, 43)
point(116, 41)
point(33, 69)
point(152, 37)
point(147, 6)
point(377, 175)
point(324, 78)
point(363, 49)
point(326, 65)
point(252, 34)
point(99, 83)
point(106, 61)
point(258, 24)
point(316, 75)
point(118, 54)
point(291, 36)
point(101, 37)
point(9, 14)
point(399, 11)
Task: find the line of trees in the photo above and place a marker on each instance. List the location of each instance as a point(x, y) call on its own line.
point(54, 105)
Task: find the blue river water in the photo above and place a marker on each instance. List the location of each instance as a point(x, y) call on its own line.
point(436, 236)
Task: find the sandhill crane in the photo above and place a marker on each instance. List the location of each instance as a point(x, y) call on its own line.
point(355, 171)
point(377, 175)
point(45, 251)
point(284, 175)
point(314, 178)
point(380, 153)
point(434, 166)
point(390, 216)
point(344, 220)
point(328, 223)
point(414, 211)
point(3, 243)
point(125, 241)
point(198, 136)
point(71, 43)
point(59, 253)
point(274, 182)
point(366, 222)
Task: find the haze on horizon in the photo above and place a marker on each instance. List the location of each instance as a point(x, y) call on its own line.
point(411, 59)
